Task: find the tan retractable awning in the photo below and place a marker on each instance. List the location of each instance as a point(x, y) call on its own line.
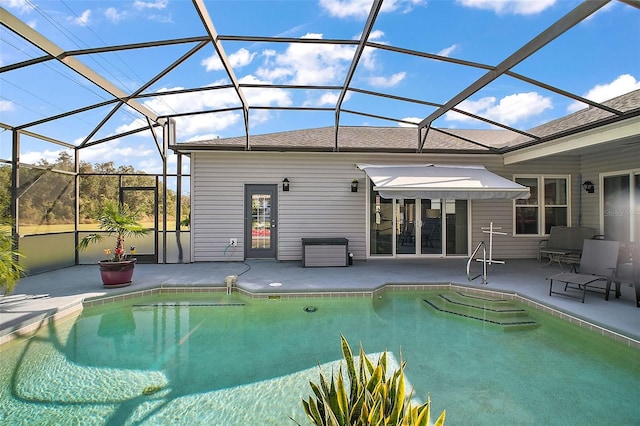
point(441, 181)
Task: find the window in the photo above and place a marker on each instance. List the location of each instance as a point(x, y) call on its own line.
point(547, 206)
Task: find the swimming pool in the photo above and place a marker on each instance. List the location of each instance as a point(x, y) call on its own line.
point(234, 360)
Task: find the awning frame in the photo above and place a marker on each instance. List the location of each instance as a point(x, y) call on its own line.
point(450, 182)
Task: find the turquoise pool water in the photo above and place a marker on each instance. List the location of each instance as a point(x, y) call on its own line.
point(231, 360)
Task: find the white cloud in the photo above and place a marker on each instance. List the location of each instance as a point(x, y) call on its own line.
point(195, 101)
point(6, 106)
point(509, 110)
point(158, 4)
point(332, 98)
point(150, 166)
point(604, 9)
point(204, 123)
point(258, 117)
point(393, 80)
point(515, 7)
point(51, 156)
point(375, 35)
point(199, 126)
point(189, 127)
point(264, 96)
point(202, 137)
point(624, 83)
point(198, 101)
point(117, 152)
point(212, 63)
point(307, 64)
point(347, 8)
point(411, 119)
point(329, 99)
point(274, 74)
point(113, 15)
point(135, 124)
point(360, 8)
point(22, 6)
point(238, 59)
point(83, 19)
point(368, 58)
point(449, 50)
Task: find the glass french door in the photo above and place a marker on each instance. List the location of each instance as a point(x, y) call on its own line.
point(417, 227)
point(260, 221)
point(406, 226)
point(621, 211)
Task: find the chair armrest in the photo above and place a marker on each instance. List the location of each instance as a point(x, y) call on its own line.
point(542, 244)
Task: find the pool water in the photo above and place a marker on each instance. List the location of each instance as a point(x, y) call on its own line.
point(230, 360)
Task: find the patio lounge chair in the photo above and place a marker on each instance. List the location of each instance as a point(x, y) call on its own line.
point(598, 263)
point(628, 271)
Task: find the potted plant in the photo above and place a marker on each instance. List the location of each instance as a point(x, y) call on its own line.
point(10, 268)
point(119, 220)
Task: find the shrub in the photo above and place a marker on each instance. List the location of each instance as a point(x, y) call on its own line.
point(10, 268)
point(371, 396)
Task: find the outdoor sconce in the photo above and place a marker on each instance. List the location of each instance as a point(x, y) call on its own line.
point(354, 185)
point(588, 186)
point(285, 185)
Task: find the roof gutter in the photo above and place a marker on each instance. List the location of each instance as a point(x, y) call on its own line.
point(595, 134)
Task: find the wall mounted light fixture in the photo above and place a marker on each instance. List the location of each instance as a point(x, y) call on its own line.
point(285, 185)
point(354, 185)
point(588, 186)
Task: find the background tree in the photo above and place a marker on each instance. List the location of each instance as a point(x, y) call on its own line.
point(47, 191)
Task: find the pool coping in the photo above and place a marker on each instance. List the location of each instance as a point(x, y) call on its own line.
point(34, 324)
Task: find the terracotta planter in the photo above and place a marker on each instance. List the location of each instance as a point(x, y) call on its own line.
point(116, 274)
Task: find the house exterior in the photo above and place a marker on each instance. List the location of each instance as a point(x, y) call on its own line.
point(270, 192)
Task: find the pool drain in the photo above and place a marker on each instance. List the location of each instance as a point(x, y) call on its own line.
point(310, 309)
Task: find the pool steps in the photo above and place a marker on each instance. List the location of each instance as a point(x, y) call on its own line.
point(494, 311)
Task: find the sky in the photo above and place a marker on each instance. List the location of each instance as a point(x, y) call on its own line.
point(597, 59)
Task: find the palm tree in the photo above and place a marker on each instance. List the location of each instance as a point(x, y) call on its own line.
point(119, 220)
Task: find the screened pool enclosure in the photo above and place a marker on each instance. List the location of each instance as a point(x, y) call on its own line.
point(97, 100)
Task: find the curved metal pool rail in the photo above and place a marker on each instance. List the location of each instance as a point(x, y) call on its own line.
point(484, 263)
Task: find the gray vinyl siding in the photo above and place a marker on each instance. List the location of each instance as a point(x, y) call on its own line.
point(320, 202)
point(500, 212)
point(606, 161)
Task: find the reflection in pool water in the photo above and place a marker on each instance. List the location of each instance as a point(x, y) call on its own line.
point(230, 360)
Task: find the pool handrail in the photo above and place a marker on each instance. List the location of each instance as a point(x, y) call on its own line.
point(484, 263)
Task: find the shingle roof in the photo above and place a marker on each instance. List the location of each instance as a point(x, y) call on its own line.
point(626, 103)
point(406, 139)
point(383, 139)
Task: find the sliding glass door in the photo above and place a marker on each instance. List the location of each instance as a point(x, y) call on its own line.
point(417, 227)
point(621, 207)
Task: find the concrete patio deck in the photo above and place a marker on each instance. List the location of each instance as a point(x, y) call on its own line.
point(41, 296)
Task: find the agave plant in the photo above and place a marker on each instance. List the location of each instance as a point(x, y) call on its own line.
point(370, 396)
point(119, 220)
point(10, 268)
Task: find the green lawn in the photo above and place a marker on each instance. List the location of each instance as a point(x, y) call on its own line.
point(63, 227)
